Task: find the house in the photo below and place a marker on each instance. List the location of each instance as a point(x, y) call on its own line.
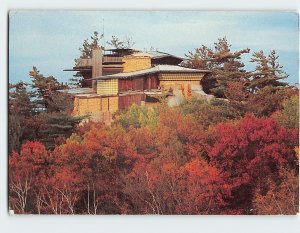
point(115, 79)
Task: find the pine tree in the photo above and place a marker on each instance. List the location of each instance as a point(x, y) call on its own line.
point(127, 43)
point(55, 114)
point(88, 46)
point(57, 127)
point(226, 66)
point(20, 114)
point(86, 52)
point(268, 71)
point(43, 88)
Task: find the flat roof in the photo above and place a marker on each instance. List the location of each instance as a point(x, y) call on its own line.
point(76, 91)
point(152, 70)
point(154, 55)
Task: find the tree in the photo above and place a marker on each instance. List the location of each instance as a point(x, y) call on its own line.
point(155, 185)
point(88, 46)
point(127, 43)
point(100, 157)
point(19, 99)
point(282, 198)
point(137, 116)
point(226, 66)
point(85, 53)
point(24, 168)
point(55, 109)
point(43, 87)
point(248, 153)
point(266, 101)
point(209, 113)
point(202, 190)
point(21, 116)
point(289, 116)
point(43, 113)
point(268, 72)
point(57, 127)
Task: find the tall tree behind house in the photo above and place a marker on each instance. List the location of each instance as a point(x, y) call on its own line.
point(226, 66)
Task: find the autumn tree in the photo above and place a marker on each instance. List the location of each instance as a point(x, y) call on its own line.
point(202, 189)
point(154, 184)
point(282, 198)
point(250, 152)
point(101, 156)
point(266, 101)
point(24, 170)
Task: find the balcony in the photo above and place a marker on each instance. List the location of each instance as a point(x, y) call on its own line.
point(84, 62)
point(109, 59)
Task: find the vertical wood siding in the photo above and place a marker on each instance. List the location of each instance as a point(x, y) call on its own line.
point(136, 84)
point(127, 100)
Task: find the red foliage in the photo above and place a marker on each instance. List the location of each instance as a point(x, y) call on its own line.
point(249, 152)
point(174, 167)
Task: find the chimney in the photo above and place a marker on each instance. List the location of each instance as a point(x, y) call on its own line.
point(96, 65)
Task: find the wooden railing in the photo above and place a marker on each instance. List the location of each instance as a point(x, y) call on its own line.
point(112, 59)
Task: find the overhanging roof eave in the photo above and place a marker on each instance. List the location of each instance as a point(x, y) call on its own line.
point(147, 73)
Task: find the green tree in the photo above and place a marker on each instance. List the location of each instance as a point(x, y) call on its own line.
point(117, 43)
point(86, 52)
point(57, 121)
point(289, 115)
point(208, 113)
point(88, 46)
point(226, 66)
point(43, 113)
point(137, 116)
point(15, 132)
point(43, 88)
point(268, 72)
point(57, 127)
point(21, 112)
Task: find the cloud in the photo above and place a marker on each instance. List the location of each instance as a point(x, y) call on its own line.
point(56, 35)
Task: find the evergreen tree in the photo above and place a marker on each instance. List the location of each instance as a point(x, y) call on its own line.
point(226, 66)
point(42, 114)
point(86, 52)
point(268, 71)
point(21, 116)
point(44, 87)
point(19, 99)
point(57, 127)
point(127, 43)
point(88, 46)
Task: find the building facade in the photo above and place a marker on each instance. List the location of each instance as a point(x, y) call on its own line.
point(121, 78)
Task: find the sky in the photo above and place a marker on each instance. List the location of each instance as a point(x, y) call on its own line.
point(50, 40)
